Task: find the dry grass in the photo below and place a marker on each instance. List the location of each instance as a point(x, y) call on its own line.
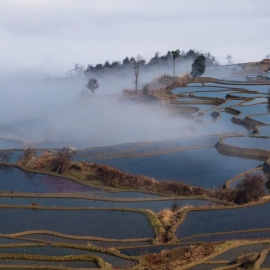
point(111, 177)
point(172, 259)
point(165, 216)
point(183, 80)
point(57, 162)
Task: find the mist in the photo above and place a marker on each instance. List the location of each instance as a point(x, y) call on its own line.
point(35, 110)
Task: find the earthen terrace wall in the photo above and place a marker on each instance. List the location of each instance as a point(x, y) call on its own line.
point(238, 151)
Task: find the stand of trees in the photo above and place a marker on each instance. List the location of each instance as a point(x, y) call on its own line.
point(157, 60)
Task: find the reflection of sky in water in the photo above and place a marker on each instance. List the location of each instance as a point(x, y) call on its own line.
point(255, 101)
point(13, 179)
point(259, 88)
point(220, 94)
point(107, 224)
point(264, 131)
point(156, 206)
point(254, 109)
point(249, 142)
point(203, 167)
point(246, 218)
point(262, 118)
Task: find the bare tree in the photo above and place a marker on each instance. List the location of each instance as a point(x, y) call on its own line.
point(267, 56)
point(229, 59)
point(77, 70)
point(137, 62)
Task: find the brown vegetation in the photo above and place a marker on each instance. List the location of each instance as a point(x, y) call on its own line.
point(28, 154)
point(263, 65)
point(172, 259)
point(165, 79)
point(58, 162)
point(180, 81)
point(115, 178)
point(248, 190)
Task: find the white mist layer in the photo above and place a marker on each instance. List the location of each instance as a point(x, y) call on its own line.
point(55, 111)
point(36, 111)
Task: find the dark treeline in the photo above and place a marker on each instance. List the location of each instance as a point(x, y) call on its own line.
point(156, 61)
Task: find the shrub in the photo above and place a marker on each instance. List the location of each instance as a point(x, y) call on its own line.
point(250, 188)
point(92, 85)
point(165, 216)
point(27, 155)
point(165, 79)
point(61, 160)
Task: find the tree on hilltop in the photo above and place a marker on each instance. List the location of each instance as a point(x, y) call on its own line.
point(198, 66)
point(175, 54)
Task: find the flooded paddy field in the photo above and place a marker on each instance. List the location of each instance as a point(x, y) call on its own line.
point(155, 206)
point(17, 180)
point(203, 107)
point(262, 118)
point(117, 223)
point(37, 263)
point(105, 244)
point(235, 252)
point(218, 94)
point(159, 147)
point(256, 101)
point(247, 95)
point(106, 224)
point(191, 89)
point(231, 102)
point(263, 234)
point(187, 166)
point(8, 144)
point(247, 218)
point(57, 251)
point(248, 142)
point(222, 124)
point(262, 88)
point(249, 110)
point(264, 131)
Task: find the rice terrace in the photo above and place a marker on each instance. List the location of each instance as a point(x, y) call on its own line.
point(158, 164)
point(196, 201)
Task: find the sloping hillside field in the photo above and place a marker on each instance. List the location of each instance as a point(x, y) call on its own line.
point(137, 204)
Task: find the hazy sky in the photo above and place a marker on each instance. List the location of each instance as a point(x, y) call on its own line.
point(56, 34)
